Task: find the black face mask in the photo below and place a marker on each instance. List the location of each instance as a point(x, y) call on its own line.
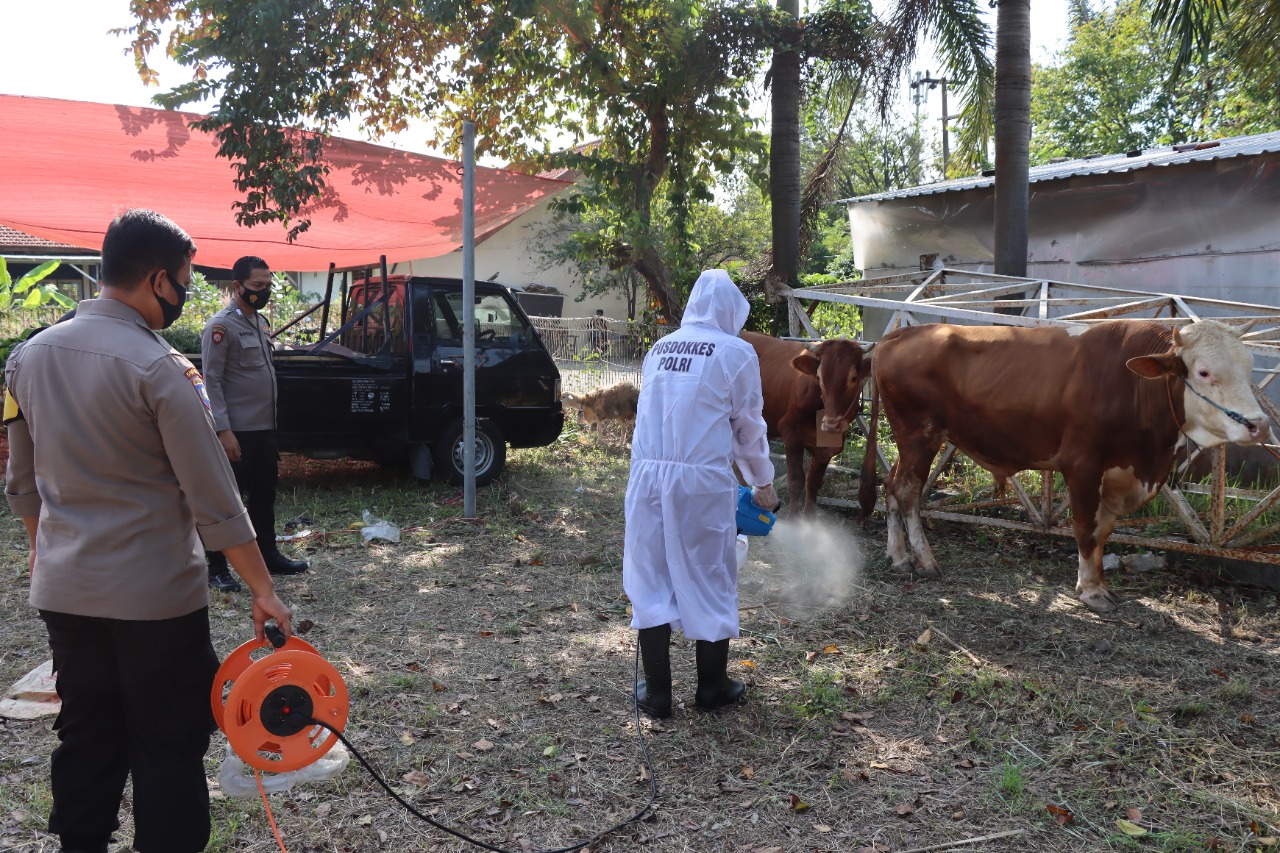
point(256, 299)
point(170, 312)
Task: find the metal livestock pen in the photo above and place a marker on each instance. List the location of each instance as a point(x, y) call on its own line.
point(1213, 518)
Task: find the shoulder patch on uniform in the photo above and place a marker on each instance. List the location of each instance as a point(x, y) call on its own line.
point(11, 411)
point(197, 382)
point(219, 332)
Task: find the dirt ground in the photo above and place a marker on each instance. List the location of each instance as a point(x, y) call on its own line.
point(490, 663)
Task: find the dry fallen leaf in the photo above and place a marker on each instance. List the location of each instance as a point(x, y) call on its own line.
point(1133, 814)
point(748, 663)
point(925, 638)
point(809, 656)
point(482, 745)
point(416, 777)
point(748, 772)
point(364, 820)
point(905, 810)
point(831, 649)
point(1061, 815)
point(407, 739)
point(798, 805)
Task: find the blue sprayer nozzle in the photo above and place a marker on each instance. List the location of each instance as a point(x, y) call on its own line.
point(752, 519)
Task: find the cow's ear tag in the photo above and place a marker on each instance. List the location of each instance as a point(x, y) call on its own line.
point(1155, 366)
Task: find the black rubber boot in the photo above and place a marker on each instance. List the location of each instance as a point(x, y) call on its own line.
point(715, 688)
point(653, 695)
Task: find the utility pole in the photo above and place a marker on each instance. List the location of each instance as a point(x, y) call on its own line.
point(918, 95)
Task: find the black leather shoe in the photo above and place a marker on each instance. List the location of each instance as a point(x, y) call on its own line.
point(279, 564)
point(224, 582)
point(85, 848)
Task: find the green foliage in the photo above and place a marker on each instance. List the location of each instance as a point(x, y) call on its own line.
point(716, 235)
point(831, 319)
point(27, 294)
point(1107, 92)
point(966, 47)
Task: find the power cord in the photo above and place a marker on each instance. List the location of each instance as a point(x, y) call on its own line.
point(644, 749)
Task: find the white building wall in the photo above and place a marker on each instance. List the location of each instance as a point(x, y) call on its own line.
point(1209, 229)
point(507, 257)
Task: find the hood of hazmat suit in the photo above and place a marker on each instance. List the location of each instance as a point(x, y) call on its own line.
point(700, 411)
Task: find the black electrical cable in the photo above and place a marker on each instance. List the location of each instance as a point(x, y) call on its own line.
point(644, 749)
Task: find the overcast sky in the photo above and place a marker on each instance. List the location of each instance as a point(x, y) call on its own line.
point(62, 49)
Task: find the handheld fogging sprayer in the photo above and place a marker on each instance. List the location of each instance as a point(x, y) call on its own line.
point(753, 520)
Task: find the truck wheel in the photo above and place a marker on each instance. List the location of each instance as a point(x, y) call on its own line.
point(491, 452)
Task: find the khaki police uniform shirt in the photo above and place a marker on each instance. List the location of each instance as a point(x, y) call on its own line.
point(114, 451)
point(238, 373)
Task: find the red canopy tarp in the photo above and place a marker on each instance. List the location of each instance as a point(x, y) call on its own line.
point(67, 168)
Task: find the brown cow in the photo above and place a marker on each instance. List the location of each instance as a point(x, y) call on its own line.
point(1107, 407)
point(798, 382)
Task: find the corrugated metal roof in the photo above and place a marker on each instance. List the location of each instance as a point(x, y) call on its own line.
point(1219, 149)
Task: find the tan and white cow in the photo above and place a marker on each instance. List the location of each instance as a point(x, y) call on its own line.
point(1106, 407)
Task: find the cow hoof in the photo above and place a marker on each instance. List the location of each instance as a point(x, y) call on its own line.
point(925, 572)
point(1100, 600)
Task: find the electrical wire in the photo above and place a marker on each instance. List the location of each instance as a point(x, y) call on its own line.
point(270, 817)
point(638, 815)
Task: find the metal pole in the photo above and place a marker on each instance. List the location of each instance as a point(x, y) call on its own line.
point(469, 319)
point(946, 147)
point(328, 297)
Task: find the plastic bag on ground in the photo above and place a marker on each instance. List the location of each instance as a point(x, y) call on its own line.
point(236, 778)
point(742, 550)
point(378, 528)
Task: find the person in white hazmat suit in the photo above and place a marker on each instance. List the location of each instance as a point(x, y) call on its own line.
point(700, 410)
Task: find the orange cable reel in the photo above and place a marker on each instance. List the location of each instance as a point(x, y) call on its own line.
point(270, 708)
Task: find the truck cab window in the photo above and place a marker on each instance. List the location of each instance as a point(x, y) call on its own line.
point(496, 322)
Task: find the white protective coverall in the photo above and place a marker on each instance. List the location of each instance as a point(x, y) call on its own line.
point(700, 410)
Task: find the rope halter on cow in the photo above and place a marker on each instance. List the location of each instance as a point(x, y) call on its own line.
point(1235, 416)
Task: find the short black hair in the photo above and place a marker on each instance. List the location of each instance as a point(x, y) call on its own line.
point(137, 243)
point(244, 268)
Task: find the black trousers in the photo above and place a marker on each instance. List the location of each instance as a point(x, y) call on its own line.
point(135, 700)
point(257, 473)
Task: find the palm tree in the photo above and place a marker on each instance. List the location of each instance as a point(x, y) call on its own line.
point(1251, 26)
point(784, 159)
point(964, 40)
point(1013, 135)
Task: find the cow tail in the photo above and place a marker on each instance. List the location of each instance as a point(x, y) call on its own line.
point(867, 488)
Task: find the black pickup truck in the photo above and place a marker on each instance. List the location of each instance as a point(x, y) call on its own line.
point(386, 385)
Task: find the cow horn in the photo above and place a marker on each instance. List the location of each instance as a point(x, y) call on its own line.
point(1177, 337)
point(1244, 327)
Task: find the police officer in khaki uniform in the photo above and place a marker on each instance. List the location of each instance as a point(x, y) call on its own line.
point(119, 478)
point(241, 381)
